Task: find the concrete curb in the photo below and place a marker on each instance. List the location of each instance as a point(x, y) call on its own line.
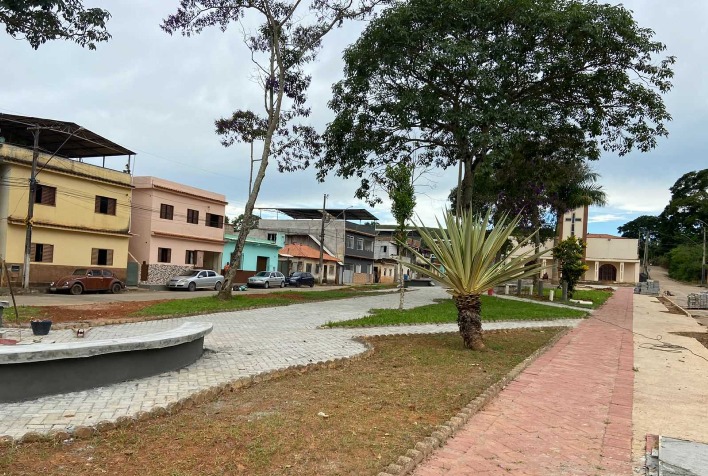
point(406, 463)
point(668, 298)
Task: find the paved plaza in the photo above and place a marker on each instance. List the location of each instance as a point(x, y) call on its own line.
point(242, 344)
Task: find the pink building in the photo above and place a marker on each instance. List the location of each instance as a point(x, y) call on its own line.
point(174, 227)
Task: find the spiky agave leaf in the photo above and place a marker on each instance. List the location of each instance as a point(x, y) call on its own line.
point(467, 252)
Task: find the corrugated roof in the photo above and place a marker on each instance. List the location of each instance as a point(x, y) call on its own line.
point(304, 251)
point(316, 213)
point(80, 142)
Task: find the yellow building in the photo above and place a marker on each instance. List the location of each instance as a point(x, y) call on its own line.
point(81, 211)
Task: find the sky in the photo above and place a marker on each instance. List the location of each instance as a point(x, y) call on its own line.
point(159, 95)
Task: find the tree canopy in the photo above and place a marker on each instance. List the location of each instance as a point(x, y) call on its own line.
point(39, 21)
point(456, 82)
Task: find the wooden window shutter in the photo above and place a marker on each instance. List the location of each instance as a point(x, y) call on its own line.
point(109, 257)
point(98, 204)
point(48, 254)
point(94, 256)
point(33, 251)
point(48, 195)
point(169, 255)
point(111, 209)
point(163, 210)
point(221, 221)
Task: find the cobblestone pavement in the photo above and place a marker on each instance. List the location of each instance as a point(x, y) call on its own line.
point(242, 344)
point(568, 413)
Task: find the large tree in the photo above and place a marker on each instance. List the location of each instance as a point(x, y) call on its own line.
point(680, 222)
point(39, 21)
point(288, 37)
point(458, 81)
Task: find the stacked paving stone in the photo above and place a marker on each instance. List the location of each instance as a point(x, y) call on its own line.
point(698, 301)
point(649, 287)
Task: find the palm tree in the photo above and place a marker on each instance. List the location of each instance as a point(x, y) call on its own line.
point(579, 190)
point(466, 249)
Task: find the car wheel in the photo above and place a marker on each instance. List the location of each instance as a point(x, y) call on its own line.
point(76, 289)
point(116, 288)
point(266, 285)
point(282, 284)
point(298, 284)
point(218, 285)
point(192, 286)
point(312, 284)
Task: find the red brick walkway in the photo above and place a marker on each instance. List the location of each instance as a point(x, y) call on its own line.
point(568, 413)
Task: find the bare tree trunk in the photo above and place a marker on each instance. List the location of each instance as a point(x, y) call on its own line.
point(402, 290)
point(556, 238)
point(273, 104)
point(469, 320)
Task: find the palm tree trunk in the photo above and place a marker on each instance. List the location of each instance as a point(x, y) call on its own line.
point(469, 320)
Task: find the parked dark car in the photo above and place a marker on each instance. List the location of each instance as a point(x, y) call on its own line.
point(88, 279)
point(299, 278)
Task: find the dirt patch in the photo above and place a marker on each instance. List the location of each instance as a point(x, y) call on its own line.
point(701, 337)
point(670, 306)
point(96, 314)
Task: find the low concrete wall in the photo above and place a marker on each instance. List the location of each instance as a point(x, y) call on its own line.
point(31, 371)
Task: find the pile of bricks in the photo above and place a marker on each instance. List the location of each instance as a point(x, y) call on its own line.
point(698, 301)
point(649, 287)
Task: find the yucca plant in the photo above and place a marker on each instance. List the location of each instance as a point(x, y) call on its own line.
point(468, 250)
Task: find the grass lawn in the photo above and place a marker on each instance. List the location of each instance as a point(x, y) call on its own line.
point(597, 296)
point(377, 408)
point(208, 304)
point(493, 309)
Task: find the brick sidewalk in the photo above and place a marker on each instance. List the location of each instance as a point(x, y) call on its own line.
point(569, 413)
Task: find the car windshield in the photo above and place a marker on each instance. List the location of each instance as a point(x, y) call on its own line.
point(295, 275)
point(263, 274)
point(189, 273)
point(79, 272)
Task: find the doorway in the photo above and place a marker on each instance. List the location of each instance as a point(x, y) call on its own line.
point(608, 272)
point(261, 263)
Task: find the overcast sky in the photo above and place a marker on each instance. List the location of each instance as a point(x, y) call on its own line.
point(159, 96)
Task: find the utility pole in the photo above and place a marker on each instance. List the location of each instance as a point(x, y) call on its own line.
point(646, 253)
point(322, 234)
point(703, 261)
point(30, 209)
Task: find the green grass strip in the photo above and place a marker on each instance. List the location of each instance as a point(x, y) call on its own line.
point(209, 304)
point(493, 309)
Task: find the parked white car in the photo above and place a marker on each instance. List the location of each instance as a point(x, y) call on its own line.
point(267, 279)
point(196, 278)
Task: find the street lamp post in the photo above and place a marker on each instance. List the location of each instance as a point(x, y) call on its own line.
point(703, 262)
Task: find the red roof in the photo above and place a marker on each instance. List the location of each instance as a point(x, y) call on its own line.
point(304, 251)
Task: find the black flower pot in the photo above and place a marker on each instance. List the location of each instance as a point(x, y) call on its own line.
point(40, 328)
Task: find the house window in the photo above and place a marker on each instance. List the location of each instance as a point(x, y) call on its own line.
point(42, 253)
point(308, 267)
point(190, 257)
point(167, 211)
point(164, 255)
point(272, 236)
point(350, 242)
point(317, 269)
point(105, 205)
point(357, 268)
point(101, 257)
point(368, 245)
point(192, 216)
point(384, 249)
point(360, 243)
point(331, 270)
point(45, 195)
point(214, 221)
